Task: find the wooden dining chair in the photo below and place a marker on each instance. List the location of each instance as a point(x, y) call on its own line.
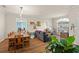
point(12, 44)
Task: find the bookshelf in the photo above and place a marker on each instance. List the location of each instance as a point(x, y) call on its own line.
point(63, 28)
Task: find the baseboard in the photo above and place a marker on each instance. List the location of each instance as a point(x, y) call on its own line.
point(1, 40)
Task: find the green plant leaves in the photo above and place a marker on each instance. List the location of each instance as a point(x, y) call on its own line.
point(76, 49)
point(63, 46)
point(63, 42)
point(70, 40)
point(53, 38)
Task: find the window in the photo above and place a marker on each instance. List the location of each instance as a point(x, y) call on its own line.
point(21, 24)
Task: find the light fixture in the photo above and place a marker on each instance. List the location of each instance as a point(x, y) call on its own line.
point(21, 11)
point(63, 20)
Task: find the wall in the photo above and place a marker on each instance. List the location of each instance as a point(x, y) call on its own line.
point(2, 23)
point(73, 16)
point(11, 22)
point(74, 19)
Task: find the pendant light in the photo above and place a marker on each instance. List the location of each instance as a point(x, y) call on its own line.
point(21, 11)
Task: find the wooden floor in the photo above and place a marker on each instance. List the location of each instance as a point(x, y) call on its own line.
point(36, 46)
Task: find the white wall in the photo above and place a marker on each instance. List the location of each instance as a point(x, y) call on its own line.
point(73, 16)
point(74, 19)
point(8, 21)
point(2, 23)
point(11, 22)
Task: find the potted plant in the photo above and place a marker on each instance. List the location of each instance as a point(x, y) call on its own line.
point(62, 46)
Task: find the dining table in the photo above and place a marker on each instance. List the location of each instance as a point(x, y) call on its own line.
point(16, 42)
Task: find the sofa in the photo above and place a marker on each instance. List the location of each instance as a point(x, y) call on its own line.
point(42, 36)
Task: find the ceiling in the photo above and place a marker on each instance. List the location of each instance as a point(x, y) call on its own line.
point(40, 10)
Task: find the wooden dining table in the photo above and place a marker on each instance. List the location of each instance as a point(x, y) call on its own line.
point(16, 42)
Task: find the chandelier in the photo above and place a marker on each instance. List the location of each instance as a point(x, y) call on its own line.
point(21, 11)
